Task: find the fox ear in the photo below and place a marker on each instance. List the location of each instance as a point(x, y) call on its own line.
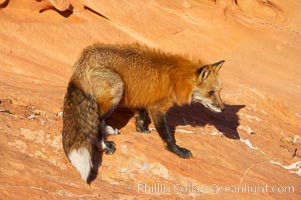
point(203, 72)
point(217, 66)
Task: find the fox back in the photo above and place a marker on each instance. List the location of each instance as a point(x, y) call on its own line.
point(148, 75)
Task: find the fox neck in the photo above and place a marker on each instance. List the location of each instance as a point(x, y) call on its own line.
point(184, 88)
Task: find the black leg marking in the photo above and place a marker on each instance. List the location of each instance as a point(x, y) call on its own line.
point(110, 147)
point(140, 117)
point(159, 120)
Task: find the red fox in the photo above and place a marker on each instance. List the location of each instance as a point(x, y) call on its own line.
point(146, 80)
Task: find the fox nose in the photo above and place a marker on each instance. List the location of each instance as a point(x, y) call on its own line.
point(223, 108)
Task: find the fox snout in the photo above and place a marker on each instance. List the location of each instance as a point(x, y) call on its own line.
point(223, 107)
point(213, 102)
point(214, 107)
point(218, 108)
point(217, 102)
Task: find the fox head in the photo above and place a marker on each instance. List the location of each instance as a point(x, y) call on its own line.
point(208, 86)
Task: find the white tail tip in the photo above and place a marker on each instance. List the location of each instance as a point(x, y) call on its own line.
point(81, 160)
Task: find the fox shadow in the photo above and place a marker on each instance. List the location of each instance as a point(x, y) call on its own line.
point(226, 122)
point(194, 115)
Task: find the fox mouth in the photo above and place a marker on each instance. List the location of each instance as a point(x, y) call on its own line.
point(211, 107)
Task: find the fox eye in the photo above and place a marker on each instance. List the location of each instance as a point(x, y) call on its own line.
point(211, 93)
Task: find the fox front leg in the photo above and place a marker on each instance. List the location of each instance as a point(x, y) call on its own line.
point(159, 120)
point(140, 116)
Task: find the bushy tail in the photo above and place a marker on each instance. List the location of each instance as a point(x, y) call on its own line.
point(80, 128)
point(81, 160)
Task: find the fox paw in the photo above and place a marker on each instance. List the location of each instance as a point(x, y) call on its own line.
point(109, 147)
point(111, 131)
point(184, 153)
point(181, 152)
point(107, 130)
point(142, 129)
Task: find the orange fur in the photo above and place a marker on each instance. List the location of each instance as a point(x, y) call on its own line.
point(148, 75)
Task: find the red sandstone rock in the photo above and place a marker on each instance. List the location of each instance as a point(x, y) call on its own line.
point(260, 41)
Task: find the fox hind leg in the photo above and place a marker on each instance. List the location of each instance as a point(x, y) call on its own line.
point(107, 130)
point(108, 89)
point(108, 147)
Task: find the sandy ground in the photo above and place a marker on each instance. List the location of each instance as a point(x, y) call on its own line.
point(250, 151)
